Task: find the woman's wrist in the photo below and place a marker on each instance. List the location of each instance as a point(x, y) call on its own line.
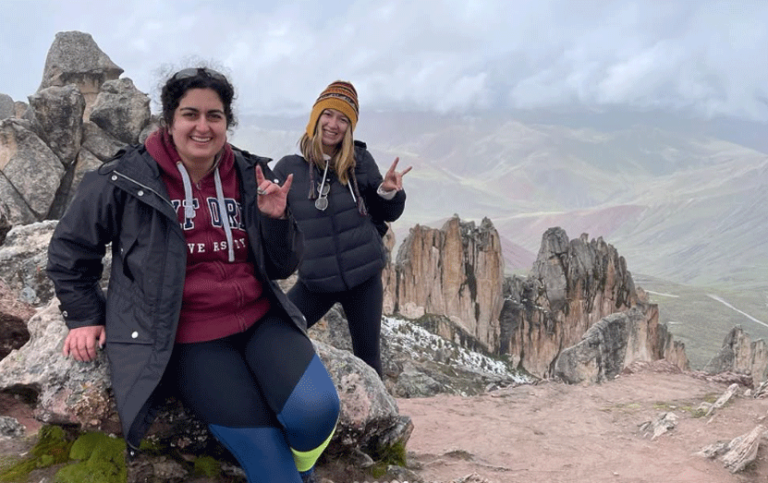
point(385, 193)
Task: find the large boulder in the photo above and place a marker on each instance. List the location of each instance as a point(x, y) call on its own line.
point(62, 391)
point(614, 343)
point(31, 172)
point(100, 143)
point(121, 110)
point(59, 112)
point(7, 107)
point(58, 389)
point(75, 58)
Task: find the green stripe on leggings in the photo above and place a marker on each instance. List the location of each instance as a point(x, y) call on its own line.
point(305, 460)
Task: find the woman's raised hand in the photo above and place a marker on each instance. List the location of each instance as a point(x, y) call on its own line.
point(393, 180)
point(272, 197)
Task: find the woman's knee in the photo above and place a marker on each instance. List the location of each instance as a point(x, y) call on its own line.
point(312, 410)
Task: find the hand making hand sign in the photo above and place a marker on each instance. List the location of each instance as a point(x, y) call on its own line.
point(272, 196)
point(394, 180)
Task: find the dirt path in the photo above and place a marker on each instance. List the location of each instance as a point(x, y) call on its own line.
point(554, 433)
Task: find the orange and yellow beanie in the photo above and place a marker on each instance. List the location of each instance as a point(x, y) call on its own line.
point(339, 95)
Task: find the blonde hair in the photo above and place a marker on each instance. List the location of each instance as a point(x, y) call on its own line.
point(342, 161)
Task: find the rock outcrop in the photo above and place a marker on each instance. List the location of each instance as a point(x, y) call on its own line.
point(62, 391)
point(7, 106)
point(79, 117)
point(458, 272)
point(452, 282)
point(573, 285)
point(75, 58)
point(741, 354)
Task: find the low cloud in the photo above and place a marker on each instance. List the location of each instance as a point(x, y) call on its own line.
point(706, 58)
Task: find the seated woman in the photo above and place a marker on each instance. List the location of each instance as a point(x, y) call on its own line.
point(198, 232)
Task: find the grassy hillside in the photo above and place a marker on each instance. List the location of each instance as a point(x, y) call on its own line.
point(697, 317)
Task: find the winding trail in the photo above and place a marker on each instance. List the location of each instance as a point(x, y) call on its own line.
point(724, 302)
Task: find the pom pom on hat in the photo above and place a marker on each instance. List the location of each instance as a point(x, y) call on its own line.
point(339, 95)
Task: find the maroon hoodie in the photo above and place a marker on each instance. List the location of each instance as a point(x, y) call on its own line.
point(222, 295)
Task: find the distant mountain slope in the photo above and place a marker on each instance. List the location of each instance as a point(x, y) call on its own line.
point(677, 205)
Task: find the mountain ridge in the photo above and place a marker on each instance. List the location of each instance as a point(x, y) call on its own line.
point(681, 205)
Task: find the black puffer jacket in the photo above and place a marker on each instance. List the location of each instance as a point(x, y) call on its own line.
point(342, 248)
point(125, 203)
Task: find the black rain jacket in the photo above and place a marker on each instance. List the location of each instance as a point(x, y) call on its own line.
point(125, 203)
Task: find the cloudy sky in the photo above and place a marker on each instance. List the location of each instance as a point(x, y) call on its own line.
point(702, 57)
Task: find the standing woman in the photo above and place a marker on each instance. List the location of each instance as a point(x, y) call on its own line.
point(197, 231)
point(341, 203)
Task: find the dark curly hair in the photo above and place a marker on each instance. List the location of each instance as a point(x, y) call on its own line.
point(196, 78)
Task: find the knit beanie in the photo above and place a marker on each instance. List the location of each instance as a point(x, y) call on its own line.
point(339, 95)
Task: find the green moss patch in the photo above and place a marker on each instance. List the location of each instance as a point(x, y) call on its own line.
point(52, 448)
point(101, 459)
point(207, 466)
point(392, 455)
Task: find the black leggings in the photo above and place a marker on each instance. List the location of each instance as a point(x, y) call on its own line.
point(263, 392)
point(362, 305)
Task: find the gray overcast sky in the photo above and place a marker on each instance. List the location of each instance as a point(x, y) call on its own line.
point(702, 56)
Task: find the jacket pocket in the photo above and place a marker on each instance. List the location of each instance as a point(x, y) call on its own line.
point(127, 317)
point(129, 258)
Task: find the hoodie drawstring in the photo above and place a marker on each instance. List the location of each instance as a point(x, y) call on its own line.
point(224, 215)
point(189, 209)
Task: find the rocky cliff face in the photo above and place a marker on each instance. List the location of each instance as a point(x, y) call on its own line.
point(573, 284)
point(458, 272)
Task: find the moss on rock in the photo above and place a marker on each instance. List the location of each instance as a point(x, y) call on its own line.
point(207, 466)
point(392, 455)
point(52, 448)
point(101, 459)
